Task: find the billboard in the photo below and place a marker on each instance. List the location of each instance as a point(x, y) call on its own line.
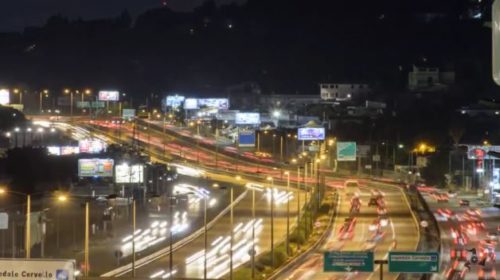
point(125, 173)
point(346, 151)
point(218, 103)
point(54, 150)
point(128, 113)
point(247, 118)
point(481, 152)
point(95, 167)
point(37, 269)
point(109, 95)
point(311, 133)
point(4, 96)
point(91, 146)
point(191, 103)
point(63, 151)
point(246, 139)
point(174, 101)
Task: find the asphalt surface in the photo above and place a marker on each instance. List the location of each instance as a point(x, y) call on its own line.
point(455, 267)
point(242, 215)
point(400, 234)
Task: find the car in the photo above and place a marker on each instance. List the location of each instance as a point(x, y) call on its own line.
point(381, 210)
point(464, 202)
point(442, 197)
point(351, 184)
point(346, 231)
point(459, 237)
point(492, 236)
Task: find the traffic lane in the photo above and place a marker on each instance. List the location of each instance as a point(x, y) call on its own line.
point(103, 250)
point(455, 267)
point(401, 228)
point(243, 214)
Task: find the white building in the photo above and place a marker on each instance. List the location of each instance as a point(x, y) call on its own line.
point(343, 92)
point(429, 78)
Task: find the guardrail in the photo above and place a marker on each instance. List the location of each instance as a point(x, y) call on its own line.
point(179, 244)
point(303, 255)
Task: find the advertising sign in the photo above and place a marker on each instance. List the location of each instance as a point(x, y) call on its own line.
point(70, 150)
point(95, 167)
point(413, 262)
point(345, 261)
point(128, 114)
point(481, 152)
point(109, 95)
point(346, 151)
point(37, 269)
point(247, 118)
point(191, 104)
point(91, 146)
point(246, 139)
point(174, 101)
point(4, 96)
point(4, 220)
point(125, 173)
point(54, 150)
point(311, 133)
point(218, 103)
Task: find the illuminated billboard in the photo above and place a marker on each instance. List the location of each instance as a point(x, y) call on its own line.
point(218, 103)
point(247, 118)
point(128, 113)
point(109, 95)
point(95, 167)
point(311, 133)
point(174, 101)
point(4, 96)
point(481, 152)
point(91, 146)
point(125, 173)
point(63, 151)
point(191, 103)
point(54, 150)
point(246, 139)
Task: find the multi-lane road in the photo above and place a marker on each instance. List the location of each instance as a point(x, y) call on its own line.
point(399, 232)
point(464, 228)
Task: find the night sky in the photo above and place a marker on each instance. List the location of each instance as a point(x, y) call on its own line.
point(17, 14)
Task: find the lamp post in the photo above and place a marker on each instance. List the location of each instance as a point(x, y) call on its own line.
point(86, 259)
point(20, 92)
point(134, 213)
point(253, 234)
point(43, 93)
point(27, 240)
point(272, 220)
point(66, 91)
point(287, 213)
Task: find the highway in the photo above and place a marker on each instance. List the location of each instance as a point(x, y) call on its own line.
point(400, 233)
point(460, 233)
point(188, 261)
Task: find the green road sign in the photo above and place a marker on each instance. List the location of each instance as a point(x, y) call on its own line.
point(338, 261)
point(346, 151)
point(413, 262)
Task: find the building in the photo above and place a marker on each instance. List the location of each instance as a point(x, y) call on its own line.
point(343, 92)
point(429, 79)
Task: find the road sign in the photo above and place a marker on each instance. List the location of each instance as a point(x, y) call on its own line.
point(338, 261)
point(414, 262)
point(346, 151)
point(37, 269)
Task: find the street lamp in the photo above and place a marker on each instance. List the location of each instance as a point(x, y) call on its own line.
point(27, 239)
point(45, 93)
point(63, 198)
point(271, 179)
point(66, 91)
point(20, 92)
point(287, 173)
